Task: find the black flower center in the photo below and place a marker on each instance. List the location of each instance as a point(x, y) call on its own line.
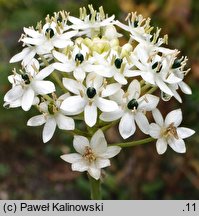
point(135, 23)
point(91, 92)
point(59, 19)
point(157, 66)
point(79, 57)
point(132, 104)
point(176, 64)
point(26, 78)
point(50, 32)
point(118, 63)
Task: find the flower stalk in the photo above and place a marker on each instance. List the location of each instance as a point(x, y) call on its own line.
point(95, 188)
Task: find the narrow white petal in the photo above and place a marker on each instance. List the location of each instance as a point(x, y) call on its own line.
point(60, 56)
point(44, 72)
point(148, 77)
point(80, 143)
point(106, 105)
point(33, 41)
point(111, 152)
point(80, 166)
point(94, 80)
point(73, 104)
point(178, 145)
point(120, 78)
point(98, 143)
point(111, 116)
point(64, 122)
point(175, 117)
point(68, 35)
point(184, 132)
point(13, 94)
point(29, 57)
point(142, 122)
point(94, 171)
point(71, 158)
point(36, 120)
point(75, 20)
point(134, 90)
point(72, 85)
point(90, 114)
point(43, 87)
point(155, 130)
point(60, 43)
point(161, 146)
point(20, 56)
point(148, 102)
point(49, 129)
point(111, 89)
point(64, 67)
point(31, 32)
point(27, 99)
point(101, 163)
point(163, 86)
point(158, 117)
point(127, 126)
point(185, 88)
point(79, 74)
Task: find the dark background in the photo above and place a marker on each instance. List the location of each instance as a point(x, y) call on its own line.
point(30, 169)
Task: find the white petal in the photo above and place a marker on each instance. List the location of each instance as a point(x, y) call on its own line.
point(148, 77)
point(101, 163)
point(13, 94)
point(98, 143)
point(158, 117)
point(80, 143)
point(111, 116)
point(148, 102)
point(142, 122)
point(111, 152)
point(75, 20)
point(44, 72)
point(20, 56)
point(49, 129)
point(155, 130)
point(90, 114)
point(36, 120)
point(134, 90)
point(33, 41)
point(79, 74)
point(64, 122)
point(120, 78)
point(31, 32)
point(161, 146)
point(175, 117)
point(43, 87)
point(94, 80)
point(60, 43)
point(29, 57)
point(72, 85)
point(80, 166)
point(184, 132)
point(64, 67)
point(27, 99)
point(94, 172)
point(177, 145)
point(60, 56)
point(110, 89)
point(106, 105)
point(68, 35)
point(73, 104)
point(127, 125)
point(185, 88)
point(71, 158)
point(118, 97)
point(163, 86)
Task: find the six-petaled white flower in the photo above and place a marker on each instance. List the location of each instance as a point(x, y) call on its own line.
point(167, 132)
point(132, 108)
point(92, 156)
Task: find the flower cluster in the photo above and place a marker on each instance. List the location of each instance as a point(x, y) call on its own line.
point(96, 78)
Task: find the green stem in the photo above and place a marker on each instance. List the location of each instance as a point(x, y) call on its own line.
point(145, 87)
point(135, 143)
point(152, 90)
point(106, 127)
point(95, 187)
point(56, 78)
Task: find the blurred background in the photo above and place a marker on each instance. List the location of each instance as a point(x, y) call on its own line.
point(30, 169)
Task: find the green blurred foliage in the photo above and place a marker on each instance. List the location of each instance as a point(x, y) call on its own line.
point(30, 169)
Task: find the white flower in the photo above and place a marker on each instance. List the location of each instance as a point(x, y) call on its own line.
point(51, 116)
point(76, 62)
point(168, 132)
point(132, 108)
point(90, 97)
point(90, 24)
point(92, 156)
point(29, 84)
